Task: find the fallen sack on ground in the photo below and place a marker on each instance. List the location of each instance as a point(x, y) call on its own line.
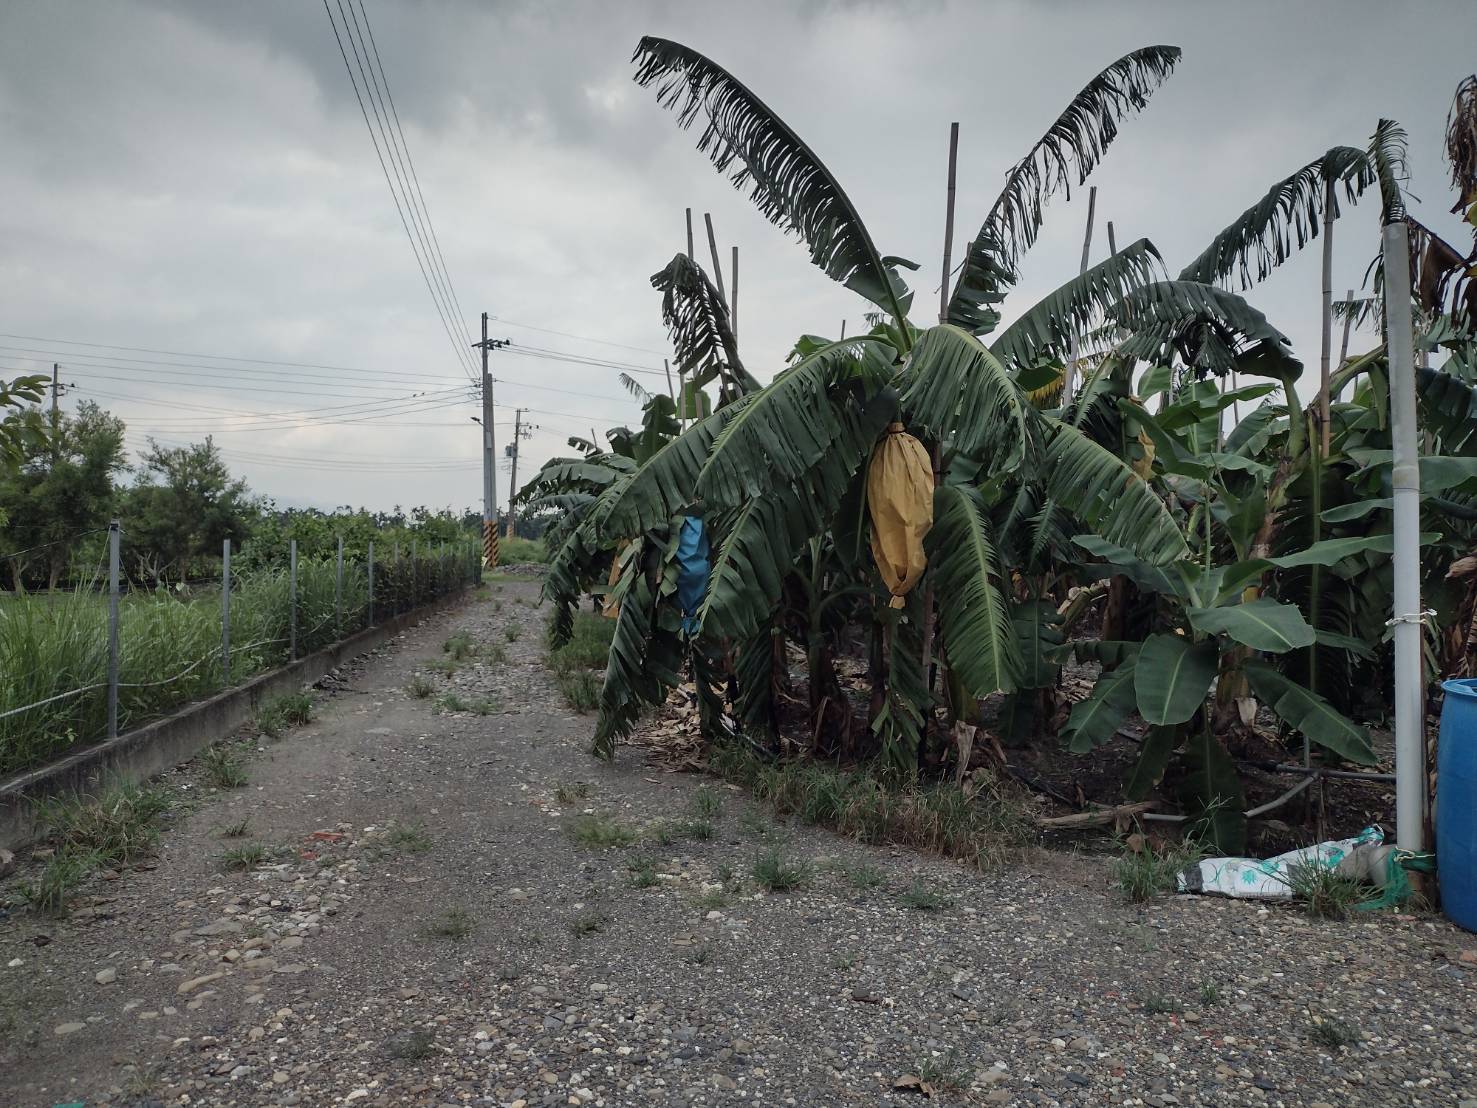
point(1363, 858)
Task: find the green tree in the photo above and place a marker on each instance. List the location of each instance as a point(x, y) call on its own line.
point(64, 485)
point(185, 504)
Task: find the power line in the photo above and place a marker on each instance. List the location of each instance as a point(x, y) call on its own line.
point(582, 338)
point(381, 116)
point(415, 177)
point(463, 358)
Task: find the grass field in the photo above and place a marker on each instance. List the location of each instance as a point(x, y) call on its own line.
point(169, 645)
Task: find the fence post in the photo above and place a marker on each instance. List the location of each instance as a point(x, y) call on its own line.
point(292, 605)
point(415, 553)
point(226, 613)
point(113, 541)
point(338, 593)
point(370, 622)
point(393, 607)
point(442, 585)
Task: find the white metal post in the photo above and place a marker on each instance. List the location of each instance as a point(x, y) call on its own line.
point(1410, 690)
point(292, 603)
point(114, 534)
point(338, 593)
point(226, 612)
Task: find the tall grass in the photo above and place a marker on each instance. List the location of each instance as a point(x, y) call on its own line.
point(169, 644)
point(512, 552)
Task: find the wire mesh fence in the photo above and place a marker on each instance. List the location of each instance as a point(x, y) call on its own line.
point(82, 664)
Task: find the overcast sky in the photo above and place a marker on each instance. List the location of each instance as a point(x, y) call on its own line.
point(198, 178)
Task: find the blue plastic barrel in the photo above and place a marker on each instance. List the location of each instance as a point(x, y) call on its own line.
point(1456, 803)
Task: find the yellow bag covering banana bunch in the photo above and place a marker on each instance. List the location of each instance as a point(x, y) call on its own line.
point(900, 501)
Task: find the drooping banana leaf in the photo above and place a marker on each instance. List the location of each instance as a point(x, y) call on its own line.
point(1049, 325)
point(1095, 719)
point(1073, 146)
point(788, 427)
point(1262, 624)
point(1214, 794)
point(788, 183)
point(973, 621)
point(1263, 236)
point(667, 483)
point(1039, 641)
point(1153, 760)
point(1172, 677)
point(758, 542)
point(1449, 408)
point(645, 658)
point(960, 392)
point(1107, 496)
point(754, 667)
point(1213, 330)
point(1309, 714)
point(702, 335)
point(1147, 577)
point(899, 723)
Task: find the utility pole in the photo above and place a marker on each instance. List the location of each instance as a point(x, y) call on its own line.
point(520, 432)
point(55, 390)
point(489, 446)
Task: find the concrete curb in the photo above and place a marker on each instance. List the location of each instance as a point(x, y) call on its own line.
point(164, 743)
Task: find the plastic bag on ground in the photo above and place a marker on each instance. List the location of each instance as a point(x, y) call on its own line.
point(1271, 879)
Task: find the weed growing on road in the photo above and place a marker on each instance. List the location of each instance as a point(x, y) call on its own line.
point(415, 1047)
point(1158, 1004)
point(572, 793)
point(512, 632)
point(1210, 994)
point(116, 828)
point(701, 956)
point(1325, 894)
point(1144, 871)
point(598, 831)
point(773, 871)
point(481, 706)
point(863, 877)
point(588, 923)
point(711, 900)
point(460, 646)
point(707, 803)
point(985, 826)
point(454, 923)
point(48, 893)
point(238, 830)
point(223, 768)
point(944, 1074)
point(1331, 1032)
point(643, 872)
point(754, 823)
point(408, 838)
point(275, 716)
point(581, 689)
point(921, 898)
point(419, 688)
point(445, 665)
point(245, 857)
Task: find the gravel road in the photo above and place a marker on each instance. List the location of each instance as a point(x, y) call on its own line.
point(427, 929)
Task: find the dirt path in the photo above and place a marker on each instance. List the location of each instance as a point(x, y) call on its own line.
point(427, 931)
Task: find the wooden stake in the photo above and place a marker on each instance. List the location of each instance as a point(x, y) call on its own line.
point(1086, 254)
point(690, 255)
point(1112, 241)
point(949, 223)
point(713, 249)
point(1348, 323)
point(1325, 349)
point(733, 303)
point(667, 365)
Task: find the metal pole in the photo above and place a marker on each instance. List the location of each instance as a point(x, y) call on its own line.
point(713, 250)
point(370, 621)
point(395, 559)
point(441, 583)
point(949, 223)
point(1410, 691)
point(226, 612)
point(114, 535)
point(338, 593)
point(292, 605)
point(415, 553)
point(690, 255)
point(666, 365)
